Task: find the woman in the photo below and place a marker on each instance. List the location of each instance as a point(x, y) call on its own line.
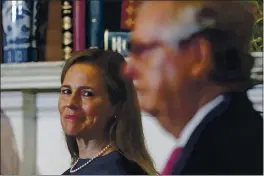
point(101, 118)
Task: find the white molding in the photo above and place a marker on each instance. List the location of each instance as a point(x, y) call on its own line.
point(34, 75)
point(46, 75)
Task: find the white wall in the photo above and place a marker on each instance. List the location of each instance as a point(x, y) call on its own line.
point(52, 156)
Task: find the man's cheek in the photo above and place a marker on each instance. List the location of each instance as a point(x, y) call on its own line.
point(156, 74)
point(170, 75)
point(154, 79)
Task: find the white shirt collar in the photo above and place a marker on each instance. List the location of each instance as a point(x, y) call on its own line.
point(197, 119)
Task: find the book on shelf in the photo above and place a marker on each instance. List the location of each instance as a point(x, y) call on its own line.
point(1, 36)
point(67, 28)
point(41, 11)
point(128, 10)
point(34, 28)
point(79, 25)
point(117, 41)
point(95, 23)
point(54, 33)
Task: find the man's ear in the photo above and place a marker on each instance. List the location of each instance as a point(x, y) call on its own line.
point(201, 63)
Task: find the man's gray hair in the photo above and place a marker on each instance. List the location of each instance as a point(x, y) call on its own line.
point(231, 63)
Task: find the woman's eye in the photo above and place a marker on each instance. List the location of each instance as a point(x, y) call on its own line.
point(65, 91)
point(87, 93)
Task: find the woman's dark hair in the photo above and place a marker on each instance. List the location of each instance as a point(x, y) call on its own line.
point(125, 131)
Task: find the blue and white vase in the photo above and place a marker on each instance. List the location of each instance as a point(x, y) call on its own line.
point(17, 31)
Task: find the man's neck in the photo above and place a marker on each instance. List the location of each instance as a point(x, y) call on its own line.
point(188, 106)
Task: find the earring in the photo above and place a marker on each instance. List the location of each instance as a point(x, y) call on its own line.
point(115, 117)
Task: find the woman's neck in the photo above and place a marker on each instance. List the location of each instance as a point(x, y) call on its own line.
point(91, 148)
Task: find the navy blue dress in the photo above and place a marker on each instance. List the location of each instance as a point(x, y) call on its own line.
point(113, 163)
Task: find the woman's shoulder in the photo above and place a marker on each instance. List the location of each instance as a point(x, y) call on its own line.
point(113, 163)
point(129, 167)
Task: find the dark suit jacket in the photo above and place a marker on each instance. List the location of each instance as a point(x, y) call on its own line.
point(229, 140)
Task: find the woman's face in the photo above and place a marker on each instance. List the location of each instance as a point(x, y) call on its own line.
point(84, 105)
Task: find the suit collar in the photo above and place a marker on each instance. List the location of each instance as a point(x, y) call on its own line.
point(197, 119)
point(216, 112)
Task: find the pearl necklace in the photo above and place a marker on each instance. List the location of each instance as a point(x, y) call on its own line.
point(88, 162)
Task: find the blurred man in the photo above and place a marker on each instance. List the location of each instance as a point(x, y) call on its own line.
point(191, 67)
point(9, 155)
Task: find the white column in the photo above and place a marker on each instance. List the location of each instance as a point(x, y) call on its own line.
point(28, 164)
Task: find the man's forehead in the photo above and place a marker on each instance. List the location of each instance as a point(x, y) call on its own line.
point(161, 10)
point(152, 10)
point(149, 22)
point(154, 16)
point(145, 33)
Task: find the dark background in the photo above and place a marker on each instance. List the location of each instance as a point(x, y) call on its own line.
point(112, 15)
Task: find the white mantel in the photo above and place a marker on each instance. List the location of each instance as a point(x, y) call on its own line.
point(34, 75)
